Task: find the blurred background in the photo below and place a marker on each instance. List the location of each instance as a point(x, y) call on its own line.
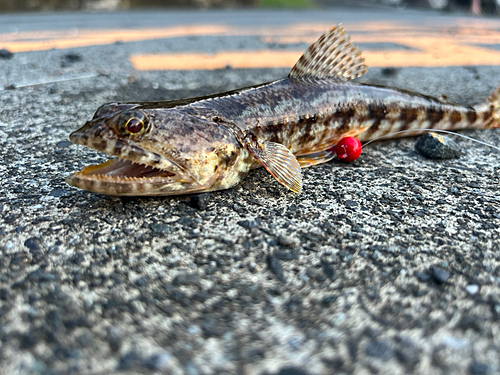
point(474, 6)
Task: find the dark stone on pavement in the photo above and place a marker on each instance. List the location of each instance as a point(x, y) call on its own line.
point(60, 192)
point(129, 361)
point(200, 201)
point(114, 339)
point(5, 54)
point(160, 228)
point(32, 243)
point(437, 146)
point(423, 276)
point(439, 275)
point(379, 349)
point(407, 352)
point(389, 72)
point(478, 368)
point(291, 371)
point(158, 362)
point(350, 203)
point(327, 301)
point(72, 57)
point(275, 266)
point(329, 271)
point(210, 328)
point(186, 279)
point(334, 363)
point(4, 294)
point(472, 322)
point(64, 144)
point(249, 224)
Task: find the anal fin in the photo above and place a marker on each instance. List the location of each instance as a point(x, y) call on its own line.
point(279, 161)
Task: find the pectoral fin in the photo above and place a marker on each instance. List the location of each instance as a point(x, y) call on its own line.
point(280, 162)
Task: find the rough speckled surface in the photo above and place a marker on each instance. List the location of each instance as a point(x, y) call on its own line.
point(389, 264)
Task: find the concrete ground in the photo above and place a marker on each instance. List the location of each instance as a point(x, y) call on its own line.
point(387, 265)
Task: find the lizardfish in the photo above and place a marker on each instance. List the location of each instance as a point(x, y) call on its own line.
point(211, 143)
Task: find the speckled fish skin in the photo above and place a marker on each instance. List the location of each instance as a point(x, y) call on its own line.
point(211, 143)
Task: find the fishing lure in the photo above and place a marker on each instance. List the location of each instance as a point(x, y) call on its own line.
point(211, 143)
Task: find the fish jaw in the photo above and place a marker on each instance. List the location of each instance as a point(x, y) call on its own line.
point(121, 177)
point(134, 172)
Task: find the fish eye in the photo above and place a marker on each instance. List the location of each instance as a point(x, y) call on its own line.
point(134, 125)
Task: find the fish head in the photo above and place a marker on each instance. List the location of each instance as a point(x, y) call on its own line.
point(158, 152)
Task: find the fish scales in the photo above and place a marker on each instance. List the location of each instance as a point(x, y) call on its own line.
point(287, 112)
point(212, 142)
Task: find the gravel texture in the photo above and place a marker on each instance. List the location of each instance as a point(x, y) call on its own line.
point(386, 265)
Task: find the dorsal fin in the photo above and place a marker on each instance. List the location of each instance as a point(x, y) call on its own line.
point(331, 58)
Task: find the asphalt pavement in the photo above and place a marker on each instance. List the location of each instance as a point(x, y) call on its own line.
point(386, 265)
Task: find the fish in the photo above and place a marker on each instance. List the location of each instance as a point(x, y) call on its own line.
point(211, 143)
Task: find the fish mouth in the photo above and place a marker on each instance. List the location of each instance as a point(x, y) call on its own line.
point(135, 171)
point(122, 170)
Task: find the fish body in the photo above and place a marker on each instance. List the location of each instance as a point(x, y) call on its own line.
point(211, 143)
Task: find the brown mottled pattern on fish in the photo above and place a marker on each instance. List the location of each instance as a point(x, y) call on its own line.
point(211, 143)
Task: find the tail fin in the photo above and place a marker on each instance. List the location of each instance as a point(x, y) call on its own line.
point(493, 102)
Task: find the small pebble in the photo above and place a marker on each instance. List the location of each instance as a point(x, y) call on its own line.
point(407, 352)
point(72, 57)
point(5, 54)
point(478, 368)
point(64, 144)
point(160, 228)
point(59, 192)
point(52, 89)
point(350, 203)
point(439, 275)
point(32, 243)
point(287, 241)
point(379, 349)
point(158, 362)
point(249, 224)
point(291, 371)
point(275, 266)
point(389, 71)
point(472, 289)
point(423, 276)
point(437, 146)
point(200, 201)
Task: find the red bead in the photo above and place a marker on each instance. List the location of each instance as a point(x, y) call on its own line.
point(348, 149)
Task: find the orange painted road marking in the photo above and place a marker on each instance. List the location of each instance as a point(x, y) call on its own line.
point(44, 40)
point(190, 61)
point(434, 56)
point(451, 43)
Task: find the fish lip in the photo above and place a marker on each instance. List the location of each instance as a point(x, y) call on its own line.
point(124, 186)
point(127, 150)
point(73, 178)
point(113, 185)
